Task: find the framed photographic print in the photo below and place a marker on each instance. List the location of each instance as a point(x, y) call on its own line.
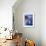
point(28, 19)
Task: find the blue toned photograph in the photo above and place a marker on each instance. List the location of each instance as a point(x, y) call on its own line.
point(29, 20)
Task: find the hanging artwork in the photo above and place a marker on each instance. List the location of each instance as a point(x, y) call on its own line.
point(28, 19)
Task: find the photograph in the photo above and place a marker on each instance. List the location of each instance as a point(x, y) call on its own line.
point(28, 20)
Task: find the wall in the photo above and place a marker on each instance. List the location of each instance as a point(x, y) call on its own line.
point(43, 22)
point(6, 13)
point(33, 33)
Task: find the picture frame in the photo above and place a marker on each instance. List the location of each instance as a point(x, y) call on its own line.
point(28, 19)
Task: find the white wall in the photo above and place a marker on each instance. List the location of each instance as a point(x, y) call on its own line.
point(34, 6)
point(38, 33)
point(6, 13)
point(43, 22)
